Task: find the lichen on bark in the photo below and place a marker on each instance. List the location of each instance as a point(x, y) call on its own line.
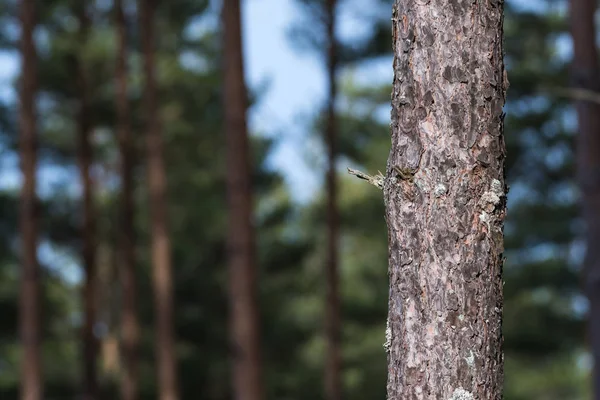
point(445, 226)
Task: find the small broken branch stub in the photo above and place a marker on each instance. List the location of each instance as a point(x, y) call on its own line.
point(375, 180)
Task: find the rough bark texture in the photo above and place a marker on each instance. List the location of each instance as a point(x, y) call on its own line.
point(127, 259)
point(88, 225)
point(244, 316)
point(161, 246)
point(29, 302)
point(333, 382)
point(586, 75)
point(445, 201)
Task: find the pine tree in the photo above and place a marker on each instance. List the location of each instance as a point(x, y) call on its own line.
point(333, 380)
point(88, 226)
point(157, 182)
point(445, 202)
point(244, 313)
point(129, 319)
point(586, 74)
point(30, 329)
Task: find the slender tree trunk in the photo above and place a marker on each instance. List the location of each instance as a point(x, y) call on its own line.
point(244, 315)
point(29, 302)
point(161, 246)
point(107, 297)
point(445, 201)
point(88, 228)
point(586, 75)
point(129, 322)
point(333, 382)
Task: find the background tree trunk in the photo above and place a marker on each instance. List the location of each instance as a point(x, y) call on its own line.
point(445, 223)
point(88, 227)
point(31, 374)
point(244, 315)
point(127, 259)
point(161, 246)
point(333, 383)
point(586, 75)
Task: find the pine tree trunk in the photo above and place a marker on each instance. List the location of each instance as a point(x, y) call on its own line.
point(586, 75)
point(333, 383)
point(90, 384)
point(161, 246)
point(244, 315)
point(29, 302)
point(445, 201)
point(127, 259)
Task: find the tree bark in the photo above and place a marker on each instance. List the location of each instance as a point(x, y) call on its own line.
point(161, 246)
point(586, 75)
point(333, 382)
point(129, 321)
point(29, 302)
point(445, 201)
point(244, 315)
point(88, 227)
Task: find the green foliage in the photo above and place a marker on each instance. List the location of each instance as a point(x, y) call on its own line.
point(308, 33)
point(543, 320)
point(543, 323)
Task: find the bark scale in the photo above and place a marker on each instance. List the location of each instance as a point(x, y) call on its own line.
point(162, 279)
point(29, 301)
point(445, 201)
point(586, 75)
point(244, 314)
point(127, 259)
point(333, 380)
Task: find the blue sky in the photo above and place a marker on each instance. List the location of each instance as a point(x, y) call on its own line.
point(295, 86)
point(296, 83)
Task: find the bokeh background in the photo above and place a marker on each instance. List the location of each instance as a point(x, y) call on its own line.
point(284, 49)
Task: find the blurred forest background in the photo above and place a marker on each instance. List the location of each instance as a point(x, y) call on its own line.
point(544, 319)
